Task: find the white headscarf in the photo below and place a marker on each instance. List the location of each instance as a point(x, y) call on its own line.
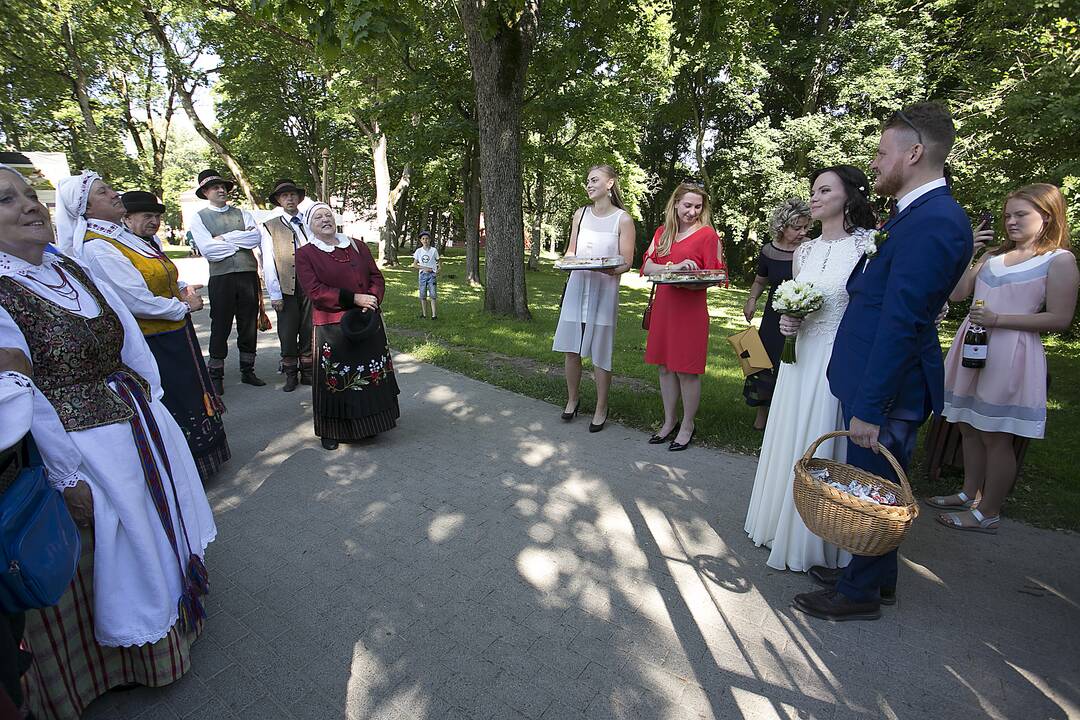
point(22, 177)
point(71, 196)
point(341, 241)
point(311, 211)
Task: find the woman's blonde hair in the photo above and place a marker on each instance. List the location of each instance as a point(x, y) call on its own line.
point(671, 221)
point(786, 214)
point(1050, 203)
point(616, 191)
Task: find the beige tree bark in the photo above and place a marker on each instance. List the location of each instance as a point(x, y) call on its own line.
point(178, 76)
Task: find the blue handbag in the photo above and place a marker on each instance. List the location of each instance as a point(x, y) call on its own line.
point(39, 542)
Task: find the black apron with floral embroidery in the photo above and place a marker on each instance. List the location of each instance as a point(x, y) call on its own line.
point(354, 392)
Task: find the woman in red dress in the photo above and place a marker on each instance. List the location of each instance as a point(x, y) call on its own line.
point(354, 391)
point(679, 329)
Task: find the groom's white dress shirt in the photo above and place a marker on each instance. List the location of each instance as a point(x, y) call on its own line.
point(918, 192)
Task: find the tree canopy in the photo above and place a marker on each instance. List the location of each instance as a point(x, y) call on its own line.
point(435, 111)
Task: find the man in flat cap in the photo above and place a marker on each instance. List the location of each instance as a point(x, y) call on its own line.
point(282, 235)
point(227, 236)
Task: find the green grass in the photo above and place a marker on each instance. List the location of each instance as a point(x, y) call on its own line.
point(177, 251)
point(517, 355)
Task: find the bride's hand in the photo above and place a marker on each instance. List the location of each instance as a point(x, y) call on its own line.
point(789, 325)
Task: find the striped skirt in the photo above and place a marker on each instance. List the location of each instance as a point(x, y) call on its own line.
point(70, 669)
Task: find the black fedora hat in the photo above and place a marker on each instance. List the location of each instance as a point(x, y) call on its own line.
point(359, 324)
point(208, 178)
point(284, 185)
point(141, 201)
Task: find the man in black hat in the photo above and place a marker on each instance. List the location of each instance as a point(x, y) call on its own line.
point(226, 236)
point(282, 235)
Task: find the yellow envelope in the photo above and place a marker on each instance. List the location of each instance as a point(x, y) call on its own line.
point(750, 351)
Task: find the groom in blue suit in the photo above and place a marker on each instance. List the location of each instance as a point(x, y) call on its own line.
point(886, 367)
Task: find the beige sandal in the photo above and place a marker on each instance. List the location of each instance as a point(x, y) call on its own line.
point(955, 521)
point(944, 502)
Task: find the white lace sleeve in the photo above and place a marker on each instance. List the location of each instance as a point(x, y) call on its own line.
point(861, 235)
point(798, 260)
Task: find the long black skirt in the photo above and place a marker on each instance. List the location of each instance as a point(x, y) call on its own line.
point(190, 397)
point(354, 392)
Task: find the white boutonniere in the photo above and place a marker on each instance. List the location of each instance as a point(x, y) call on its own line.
point(873, 244)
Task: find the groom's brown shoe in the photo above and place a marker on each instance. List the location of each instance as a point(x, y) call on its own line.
point(831, 605)
point(828, 577)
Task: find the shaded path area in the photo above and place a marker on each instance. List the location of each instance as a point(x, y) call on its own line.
point(486, 560)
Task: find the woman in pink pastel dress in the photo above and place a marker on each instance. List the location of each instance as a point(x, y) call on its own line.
point(1028, 287)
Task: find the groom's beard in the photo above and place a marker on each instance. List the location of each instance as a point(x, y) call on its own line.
point(888, 185)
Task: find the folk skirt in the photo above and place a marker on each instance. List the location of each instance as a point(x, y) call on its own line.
point(70, 669)
point(354, 390)
point(190, 397)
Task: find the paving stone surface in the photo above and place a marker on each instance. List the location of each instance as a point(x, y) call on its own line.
point(486, 560)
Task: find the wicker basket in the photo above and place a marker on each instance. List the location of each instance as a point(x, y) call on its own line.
point(861, 527)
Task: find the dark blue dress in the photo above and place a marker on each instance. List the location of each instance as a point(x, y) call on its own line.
point(774, 264)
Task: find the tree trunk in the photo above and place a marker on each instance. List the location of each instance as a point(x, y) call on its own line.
point(383, 202)
point(470, 177)
point(78, 79)
point(176, 75)
point(538, 220)
point(700, 126)
point(499, 52)
point(388, 233)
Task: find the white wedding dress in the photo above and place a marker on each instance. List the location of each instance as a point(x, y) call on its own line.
point(802, 410)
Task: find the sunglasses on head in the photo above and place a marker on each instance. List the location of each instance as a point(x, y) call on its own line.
point(907, 121)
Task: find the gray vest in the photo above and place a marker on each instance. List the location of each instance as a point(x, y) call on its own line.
point(219, 223)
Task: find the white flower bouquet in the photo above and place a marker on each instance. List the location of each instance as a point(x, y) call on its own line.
point(795, 299)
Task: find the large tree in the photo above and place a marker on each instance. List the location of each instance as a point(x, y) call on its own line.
point(500, 38)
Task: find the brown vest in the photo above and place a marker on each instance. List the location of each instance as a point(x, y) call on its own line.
point(284, 253)
point(73, 356)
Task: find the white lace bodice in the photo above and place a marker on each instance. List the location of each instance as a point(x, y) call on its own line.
point(828, 265)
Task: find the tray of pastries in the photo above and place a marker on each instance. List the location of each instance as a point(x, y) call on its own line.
point(587, 263)
point(690, 277)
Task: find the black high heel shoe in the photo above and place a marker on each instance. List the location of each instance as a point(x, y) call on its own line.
point(597, 427)
point(329, 444)
point(657, 440)
point(568, 416)
point(676, 447)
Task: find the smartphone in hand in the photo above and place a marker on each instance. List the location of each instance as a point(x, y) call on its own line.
point(986, 218)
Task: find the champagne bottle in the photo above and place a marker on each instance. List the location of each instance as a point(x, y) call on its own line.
point(974, 355)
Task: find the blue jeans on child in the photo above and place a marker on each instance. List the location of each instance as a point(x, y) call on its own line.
point(427, 284)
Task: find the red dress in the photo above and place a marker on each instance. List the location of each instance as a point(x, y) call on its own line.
point(679, 329)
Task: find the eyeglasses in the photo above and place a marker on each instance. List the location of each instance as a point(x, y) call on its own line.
point(907, 121)
point(697, 182)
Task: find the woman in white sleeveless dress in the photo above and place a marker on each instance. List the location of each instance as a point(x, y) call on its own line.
point(803, 407)
point(590, 303)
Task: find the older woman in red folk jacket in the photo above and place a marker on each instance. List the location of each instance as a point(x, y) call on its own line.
point(354, 391)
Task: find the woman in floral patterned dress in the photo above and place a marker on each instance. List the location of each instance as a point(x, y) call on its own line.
point(354, 389)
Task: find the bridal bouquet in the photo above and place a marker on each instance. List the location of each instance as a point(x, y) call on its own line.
point(796, 299)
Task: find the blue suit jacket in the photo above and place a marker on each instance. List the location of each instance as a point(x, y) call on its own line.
point(886, 361)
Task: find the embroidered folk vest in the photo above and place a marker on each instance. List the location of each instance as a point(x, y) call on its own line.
point(161, 279)
point(284, 253)
point(219, 223)
point(73, 356)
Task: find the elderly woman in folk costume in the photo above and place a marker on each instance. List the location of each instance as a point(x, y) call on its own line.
point(354, 390)
point(129, 258)
point(119, 458)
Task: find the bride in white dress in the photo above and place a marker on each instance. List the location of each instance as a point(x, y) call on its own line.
point(803, 407)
